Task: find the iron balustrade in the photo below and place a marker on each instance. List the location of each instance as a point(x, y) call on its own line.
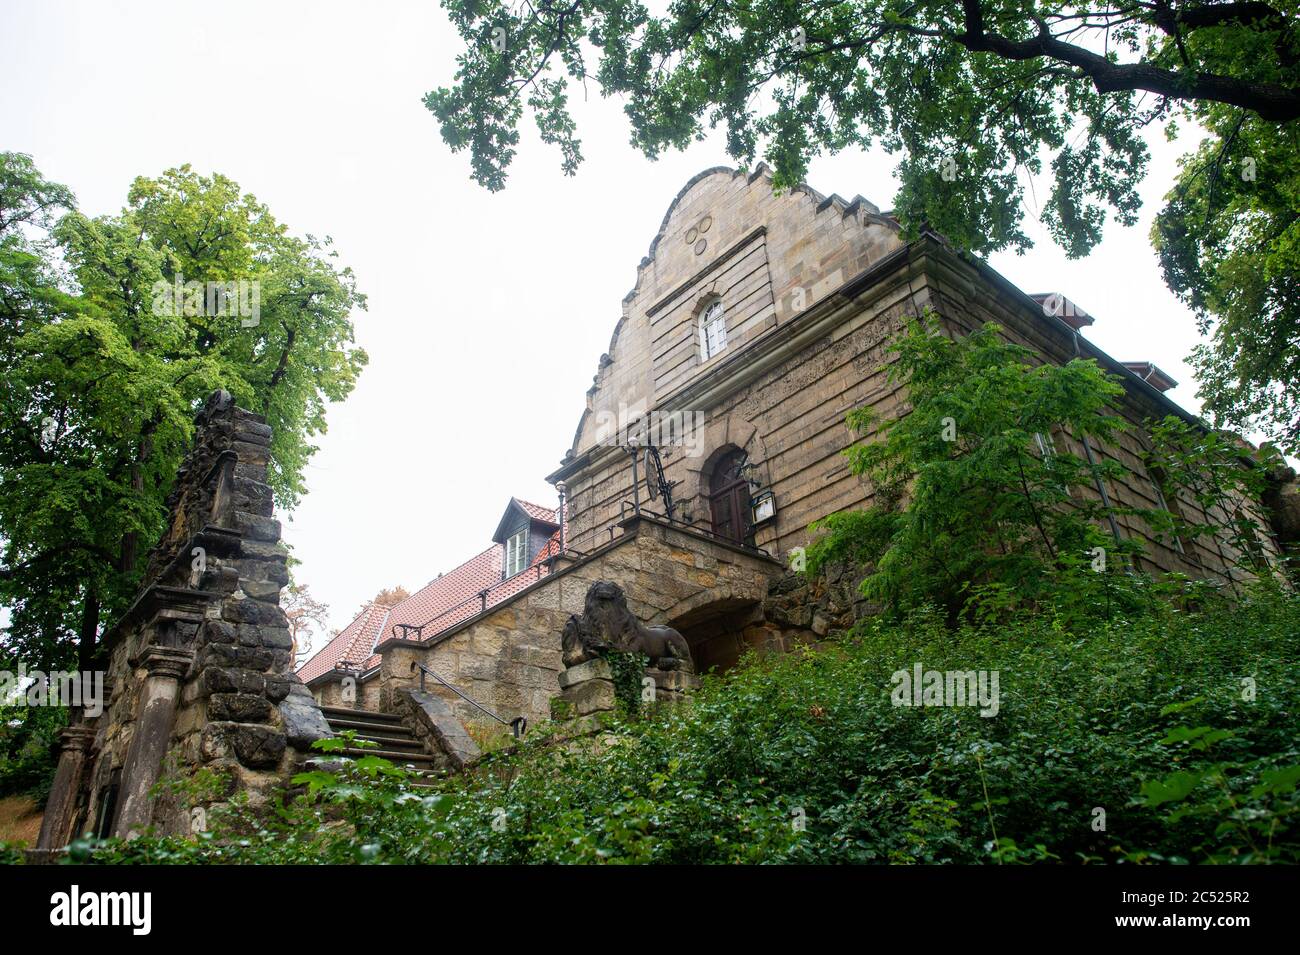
point(516, 583)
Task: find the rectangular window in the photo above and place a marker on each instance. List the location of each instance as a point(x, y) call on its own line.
point(717, 335)
point(516, 553)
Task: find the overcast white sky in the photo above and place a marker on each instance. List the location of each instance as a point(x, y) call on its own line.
point(488, 313)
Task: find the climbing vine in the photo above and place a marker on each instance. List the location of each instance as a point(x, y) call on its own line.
point(627, 670)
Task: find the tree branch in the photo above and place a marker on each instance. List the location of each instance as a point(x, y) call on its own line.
point(1269, 100)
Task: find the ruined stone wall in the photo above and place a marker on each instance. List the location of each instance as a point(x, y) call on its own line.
point(200, 665)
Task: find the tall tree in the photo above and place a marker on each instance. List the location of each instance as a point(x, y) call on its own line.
point(306, 614)
point(971, 93)
point(391, 597)
point(106, 364)
point(1229, 243)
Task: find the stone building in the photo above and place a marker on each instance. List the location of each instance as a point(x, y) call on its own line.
point(756, 323)
point(711, 439)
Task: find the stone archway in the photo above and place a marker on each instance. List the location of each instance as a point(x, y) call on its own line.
point(720, 436)
point(719, 632)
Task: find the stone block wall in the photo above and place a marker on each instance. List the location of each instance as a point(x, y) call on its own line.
point(788, 418)
point(200, 665)
point(782, 385)
point(509, 658)
point(783, 397)
point(966, 296)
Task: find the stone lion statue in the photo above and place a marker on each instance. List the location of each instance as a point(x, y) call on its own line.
point(607, 624)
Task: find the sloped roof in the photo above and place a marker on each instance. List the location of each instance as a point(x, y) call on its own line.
point(442, 603)
point(534, 512)
point(549, 550)
point(538, 513)
point(1151, 374)
point(350, 647)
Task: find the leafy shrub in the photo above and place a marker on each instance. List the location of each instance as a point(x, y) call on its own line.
point(28, 751)
point(804, 758)
point(981, 505)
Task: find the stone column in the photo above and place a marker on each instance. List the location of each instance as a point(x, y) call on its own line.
point(61, 808)
point(167, 666)
point(586, 696)
point(672, 686)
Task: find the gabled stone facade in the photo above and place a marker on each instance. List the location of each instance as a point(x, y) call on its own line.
point(814, 290)
point(757, 322)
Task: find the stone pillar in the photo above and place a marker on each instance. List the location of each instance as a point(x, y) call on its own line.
point(672, 686)
point(61, 809)
point(586, 692)
point(166, 666)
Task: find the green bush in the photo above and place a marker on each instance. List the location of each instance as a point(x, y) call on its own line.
point(980, 505)
point(28, 738)
point(805, 758)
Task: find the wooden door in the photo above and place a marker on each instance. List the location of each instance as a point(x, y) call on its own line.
point(729, 502)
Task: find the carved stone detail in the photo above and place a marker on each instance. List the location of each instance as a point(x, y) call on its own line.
point(607, 624)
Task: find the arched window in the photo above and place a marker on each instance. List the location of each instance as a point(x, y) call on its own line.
point(713, 330)
point(729, 503)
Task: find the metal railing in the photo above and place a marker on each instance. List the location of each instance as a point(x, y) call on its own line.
point(518, 726)
point(637, 509)
point(483, 598)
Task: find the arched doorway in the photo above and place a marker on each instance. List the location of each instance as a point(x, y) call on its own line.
point(729, 504)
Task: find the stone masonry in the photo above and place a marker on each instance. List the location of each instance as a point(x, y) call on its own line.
point(813, 290)
point(199, 666)
point(508, 658)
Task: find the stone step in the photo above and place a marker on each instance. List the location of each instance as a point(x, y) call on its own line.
point(399, 758)
point(390, 742)
point(364, 728)
point(369, 716)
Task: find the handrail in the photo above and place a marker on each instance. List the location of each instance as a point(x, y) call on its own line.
point(481, 598)
point(518, 726)
point(548, 563)
point(639, 510)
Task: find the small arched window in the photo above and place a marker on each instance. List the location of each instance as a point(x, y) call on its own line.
point(713, 330)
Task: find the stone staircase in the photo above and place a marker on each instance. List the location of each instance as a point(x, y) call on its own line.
point(394, 739)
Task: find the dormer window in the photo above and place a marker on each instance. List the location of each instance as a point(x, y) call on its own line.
point(522, 531)
point(713, 330)
point(516, 552)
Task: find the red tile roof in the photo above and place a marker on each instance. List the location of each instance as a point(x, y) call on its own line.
point(445, 601)
point(349, 648)
point(550, 549)
point(537, 512)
